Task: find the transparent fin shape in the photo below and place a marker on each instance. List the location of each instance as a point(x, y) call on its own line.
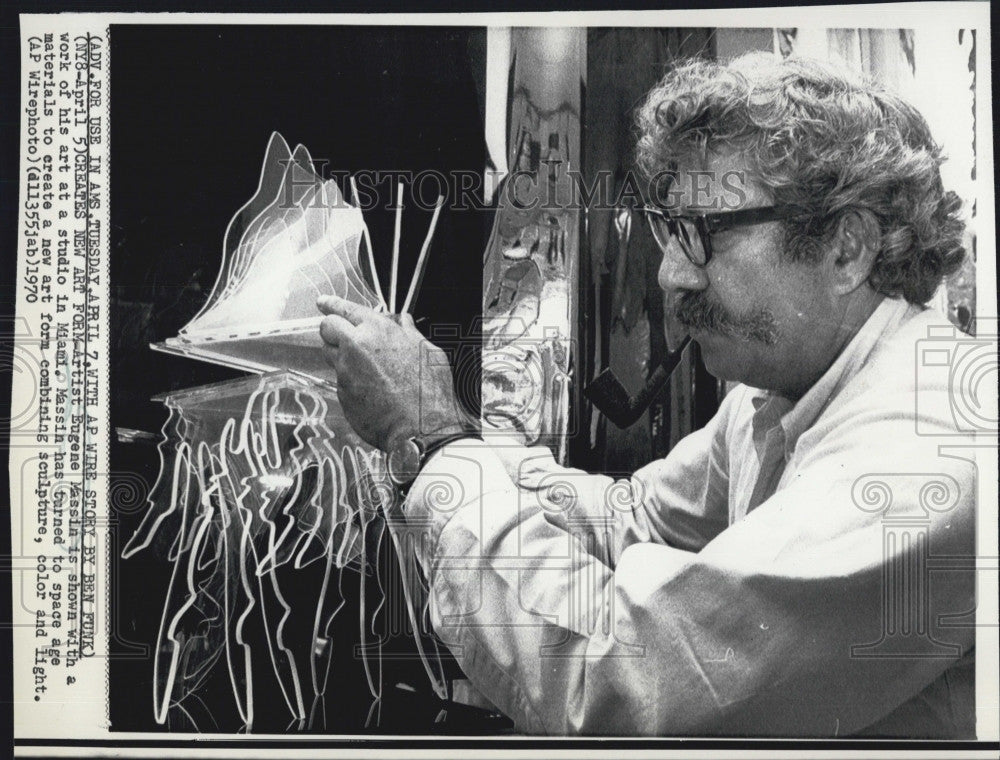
point(403, 541)
point(169, 492)
point(374, 678)
point(298, 174)
point(296, 239)
point(302, 244)
point(237, 594)
point(276, 158)
point(181, 595)
point(330, 602)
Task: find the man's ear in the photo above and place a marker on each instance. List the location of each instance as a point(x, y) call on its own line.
point(855, 247)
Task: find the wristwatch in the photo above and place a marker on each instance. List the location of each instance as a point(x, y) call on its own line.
point(407, 456)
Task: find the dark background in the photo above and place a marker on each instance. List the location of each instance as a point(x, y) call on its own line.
point(192, 110)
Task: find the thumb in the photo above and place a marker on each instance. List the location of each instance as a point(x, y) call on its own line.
point(556, 519)
point(352, 312)
point(404, 320)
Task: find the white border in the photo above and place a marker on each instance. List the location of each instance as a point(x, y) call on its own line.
point(906, 15)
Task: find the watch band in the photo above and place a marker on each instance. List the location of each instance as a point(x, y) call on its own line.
point(408, 458)
point(429, 449)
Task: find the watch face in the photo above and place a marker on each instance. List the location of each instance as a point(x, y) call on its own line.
point(404, 462)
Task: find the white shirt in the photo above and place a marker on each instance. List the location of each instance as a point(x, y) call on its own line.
point(783, 571)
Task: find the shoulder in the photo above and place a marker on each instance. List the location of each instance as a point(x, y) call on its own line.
point(925, 376)
point(907, 410)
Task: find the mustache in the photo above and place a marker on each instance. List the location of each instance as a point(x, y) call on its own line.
point(697, 311)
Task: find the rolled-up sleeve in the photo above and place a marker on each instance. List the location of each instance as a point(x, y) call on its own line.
point(680, 501)
point(772, 627)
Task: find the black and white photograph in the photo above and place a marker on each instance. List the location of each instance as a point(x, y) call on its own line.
point(518, 381)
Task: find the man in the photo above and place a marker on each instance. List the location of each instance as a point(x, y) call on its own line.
point(770, 576)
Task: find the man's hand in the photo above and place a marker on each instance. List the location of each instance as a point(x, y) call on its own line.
point(392, 383)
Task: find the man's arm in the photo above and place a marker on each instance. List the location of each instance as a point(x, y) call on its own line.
point(393, 384)
point(764, 631)
point(681, 500)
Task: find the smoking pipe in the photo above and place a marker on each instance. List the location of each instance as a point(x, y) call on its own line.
point(610, 397)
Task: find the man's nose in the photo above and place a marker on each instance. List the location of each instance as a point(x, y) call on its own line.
point(678, 273)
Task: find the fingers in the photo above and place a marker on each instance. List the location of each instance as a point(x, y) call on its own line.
point(335, 330)
point(557, 519)
point(354, 313)
point(403, 319)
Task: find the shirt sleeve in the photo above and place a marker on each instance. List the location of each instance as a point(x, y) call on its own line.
point(681, 500)
point(779, 625)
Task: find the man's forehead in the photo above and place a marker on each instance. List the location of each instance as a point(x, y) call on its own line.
point(720, 181)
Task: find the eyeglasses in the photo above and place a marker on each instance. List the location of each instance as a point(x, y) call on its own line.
point(693, 232)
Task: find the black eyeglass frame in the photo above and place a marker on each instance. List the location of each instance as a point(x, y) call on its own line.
point(710, 223)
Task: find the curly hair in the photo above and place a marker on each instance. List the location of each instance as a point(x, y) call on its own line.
point(825, 141)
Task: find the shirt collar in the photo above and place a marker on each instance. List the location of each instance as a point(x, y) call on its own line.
point(772, 409)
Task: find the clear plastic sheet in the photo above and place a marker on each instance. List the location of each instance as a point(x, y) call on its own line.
point(256, 475)
point(296, 239)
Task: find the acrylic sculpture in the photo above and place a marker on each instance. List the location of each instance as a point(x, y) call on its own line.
point(298, 238)
point(264, 487)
